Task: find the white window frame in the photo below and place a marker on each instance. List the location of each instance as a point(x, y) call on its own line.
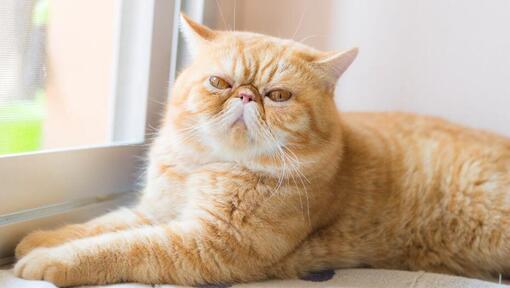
point(49, 188)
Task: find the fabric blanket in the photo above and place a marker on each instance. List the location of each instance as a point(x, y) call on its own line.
point(352, 278)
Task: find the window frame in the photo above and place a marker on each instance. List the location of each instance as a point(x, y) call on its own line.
point(53, 187)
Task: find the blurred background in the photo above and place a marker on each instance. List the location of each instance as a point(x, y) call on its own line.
point(56, 73)
point(58, 60)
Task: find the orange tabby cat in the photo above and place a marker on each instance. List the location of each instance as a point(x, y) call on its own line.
point(255, 175)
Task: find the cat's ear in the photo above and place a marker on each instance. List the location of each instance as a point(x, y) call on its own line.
point(195, 34)
point(334, 64)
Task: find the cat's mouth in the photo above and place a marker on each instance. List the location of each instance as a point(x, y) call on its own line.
point(242, 120)
point(239, 123)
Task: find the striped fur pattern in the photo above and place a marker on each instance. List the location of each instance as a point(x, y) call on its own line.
point(247, 190)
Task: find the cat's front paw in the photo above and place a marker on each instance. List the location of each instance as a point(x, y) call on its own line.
point(30, 242)
point(55, 265)
point(35, 240)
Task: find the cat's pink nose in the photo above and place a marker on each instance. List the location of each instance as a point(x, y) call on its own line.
point(245, 97)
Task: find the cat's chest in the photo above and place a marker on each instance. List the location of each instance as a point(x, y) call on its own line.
point(220, 179)
point(223, 187)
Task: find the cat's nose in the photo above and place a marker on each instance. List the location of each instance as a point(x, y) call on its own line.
point(247, 94)
point(246, 97)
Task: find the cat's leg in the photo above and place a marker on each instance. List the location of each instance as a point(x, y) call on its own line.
point(179, 253)
point(325, 249)
point(121, 219)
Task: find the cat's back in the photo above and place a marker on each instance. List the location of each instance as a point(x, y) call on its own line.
point(424, 187)
point(413, 126)
point(429, 150)
point(433, 141)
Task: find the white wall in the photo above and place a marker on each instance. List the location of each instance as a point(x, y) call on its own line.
point(441, 57)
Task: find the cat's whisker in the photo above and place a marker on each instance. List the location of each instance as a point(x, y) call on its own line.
point(235, 6)
point(271, 139)
point(287, 171)
point(300, 22)
point(163, 104)
point(288, 156)
point(283, 170)
point(222, 16)
point(192, 127)
point(295, 170)
point(192, 131)
point(311, 37)
point(296, 159)
point(216, 122)
point(299, 192)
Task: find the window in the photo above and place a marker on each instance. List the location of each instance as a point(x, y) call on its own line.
point(57, 76)
point(81, 83)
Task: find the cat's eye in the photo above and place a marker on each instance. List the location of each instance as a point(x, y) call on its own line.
point(219, 83)
point(279, 95)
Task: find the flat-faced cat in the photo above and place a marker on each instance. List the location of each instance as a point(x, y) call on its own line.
point(255, 174)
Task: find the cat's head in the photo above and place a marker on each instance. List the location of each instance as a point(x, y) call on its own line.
point(247, 95)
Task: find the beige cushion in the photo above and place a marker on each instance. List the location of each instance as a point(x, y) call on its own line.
point(352, 278)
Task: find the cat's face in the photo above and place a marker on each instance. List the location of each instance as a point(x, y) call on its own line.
point(248, 95)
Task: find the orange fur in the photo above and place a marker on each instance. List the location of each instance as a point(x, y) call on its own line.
point(295, 186)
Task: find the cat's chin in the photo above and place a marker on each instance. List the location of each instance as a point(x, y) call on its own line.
point(238, 136)
point(237, 144)
point(239, 124)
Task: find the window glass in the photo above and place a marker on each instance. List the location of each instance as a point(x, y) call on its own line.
point(57, 60)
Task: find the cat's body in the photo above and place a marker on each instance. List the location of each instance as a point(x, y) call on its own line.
point(417, 193)
point(228, 201)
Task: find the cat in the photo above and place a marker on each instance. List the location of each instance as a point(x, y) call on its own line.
point(255, 174)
